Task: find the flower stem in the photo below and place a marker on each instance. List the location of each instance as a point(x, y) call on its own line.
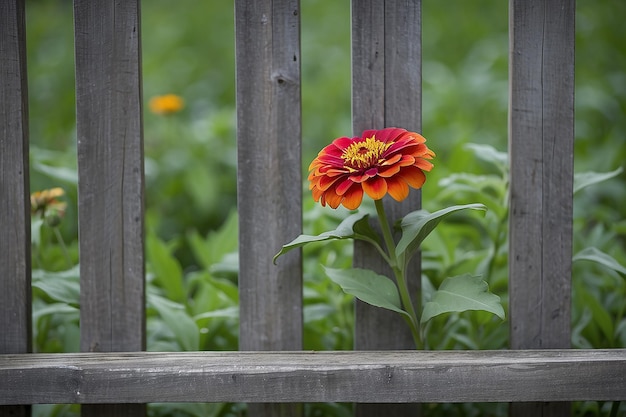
point(399, 271)
point(61, 242)
point(384, 224)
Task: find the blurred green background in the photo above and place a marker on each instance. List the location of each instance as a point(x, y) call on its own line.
point(188, 50)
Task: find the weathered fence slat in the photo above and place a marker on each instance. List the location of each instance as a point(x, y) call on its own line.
point(269, 175)
point(386, 92)
point(110, 187)
point(15, 314)
point(15, 304)
point(386, 66)
point(269, 178)
point(541, 138)
point(359, 376)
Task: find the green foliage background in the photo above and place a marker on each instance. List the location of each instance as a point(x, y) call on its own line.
point(188, 49)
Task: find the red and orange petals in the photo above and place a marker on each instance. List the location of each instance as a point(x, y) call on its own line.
point(398, 189)
point(380, 162)
point(353, 197)
point(423, 164)
point(332, 199)
point(413, 176)
point(375, 187)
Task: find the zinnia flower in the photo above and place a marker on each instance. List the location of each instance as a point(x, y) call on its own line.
point(167, 104)
point(45, 201)
point(379, 162)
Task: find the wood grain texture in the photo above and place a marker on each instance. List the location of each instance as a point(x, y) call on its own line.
point(368, 65)
point(365, 376)
point(15, 278)
point(269, 172)
point(269, 179)
point(15, 321)
point(110, 164)
point(541, 140)
point(386, 91)
point(110, 186)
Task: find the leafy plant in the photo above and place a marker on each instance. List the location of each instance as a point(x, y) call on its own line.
point(380, 162)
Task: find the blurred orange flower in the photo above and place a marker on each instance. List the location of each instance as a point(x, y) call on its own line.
point(166, 104)
point(46, 200)
point(379, 162)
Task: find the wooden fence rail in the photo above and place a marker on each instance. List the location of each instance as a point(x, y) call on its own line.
point(386, 64)
point(366, 377)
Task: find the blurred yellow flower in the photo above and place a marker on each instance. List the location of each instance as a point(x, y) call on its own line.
point(46, 200)
point(166, 104)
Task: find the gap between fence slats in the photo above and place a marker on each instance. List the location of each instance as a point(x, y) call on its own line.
point(15, 303)
point(541, 138)
point(269, 178)
point(110, 186)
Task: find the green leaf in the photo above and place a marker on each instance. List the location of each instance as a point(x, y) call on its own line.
point(490, 154)
point(418, 224)
point(210, 249)
point(231, 312)
point(600, 316)
point(363, 231)
point(368, 287)
point(352, 227)
point(178, 321)
point(61, 286)
point(166, 267)
point(319, 311)
point(68, 175)
point(596, 255)
point(585, 179)
point(228, 266)
point(227, 289)
point(462, 293)
point(55, 309)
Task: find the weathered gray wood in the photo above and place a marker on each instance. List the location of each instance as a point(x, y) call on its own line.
point(386, 68)
point(14, 195)
point(110, 188)
point(268, 102)
point(15, 305)
point(541, 148)
point(269, 178)
point(110, 162)
point(364, 376)
point(403, 108)
point(541, 137)
point(368, 65)
point(386, 92)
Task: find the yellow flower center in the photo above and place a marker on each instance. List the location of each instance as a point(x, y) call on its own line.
point(364, 154)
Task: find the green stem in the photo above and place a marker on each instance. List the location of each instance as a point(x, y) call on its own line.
point(408, 305)
point(61, 242)
point(380, 250)
point(399, 270)
point(384, 224)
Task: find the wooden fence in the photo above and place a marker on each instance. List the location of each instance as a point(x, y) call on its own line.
point(113, 377)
